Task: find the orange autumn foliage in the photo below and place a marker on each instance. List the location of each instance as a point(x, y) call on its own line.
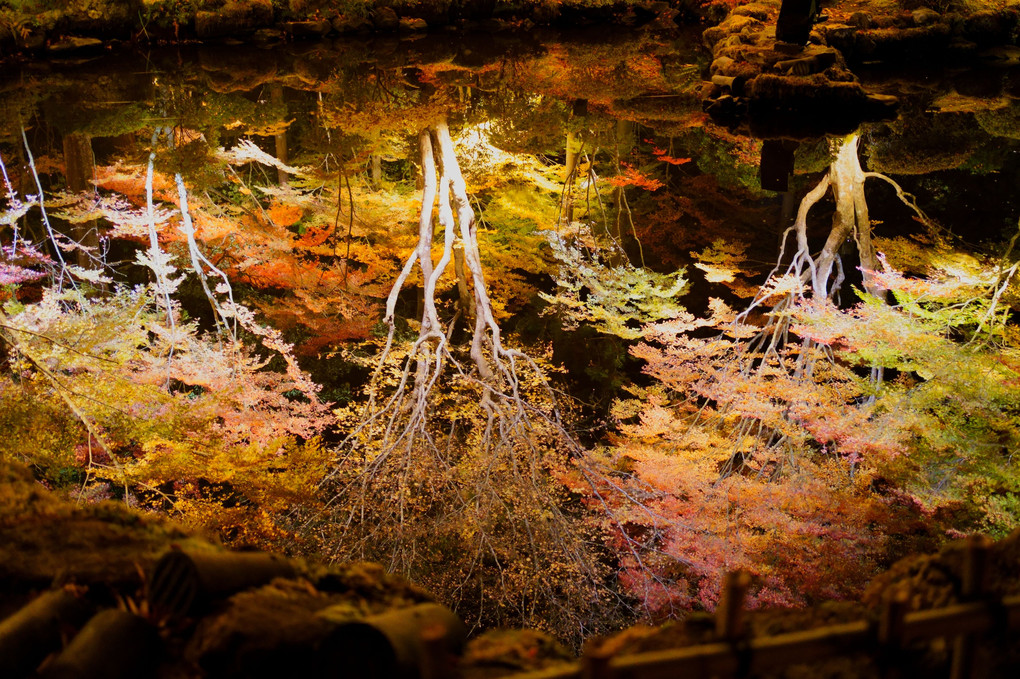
point(284, 216)
point(634, 177)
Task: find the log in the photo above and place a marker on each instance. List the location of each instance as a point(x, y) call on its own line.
point(735, 84)
point(183, 583)
point(33, 632)
point(114, 644)
point(408, 643)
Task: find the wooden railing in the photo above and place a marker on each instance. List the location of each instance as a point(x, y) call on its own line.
point(738, 655)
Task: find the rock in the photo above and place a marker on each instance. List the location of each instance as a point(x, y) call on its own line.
point(308, 29)
point(881, 106)
point(640, 15)
point(492, 25)
point(840, 36)
point(991, 26)
point(961, 49)
point(346, 24)
point(276, 630)
point(271, 628)
point(734, 24)
point(924, 16)
point(311, 70)
point(43, 537)
point(724, 107)
point(75, 45)
point(413, 24)
point(721, 66)
point(716, 11)
point(34, 40)
point(385, 19)
point(731, 47)
point(713, 35)
point(983, 85)
point(496, 651)
point(1003, 55)
point(137, 641)
point(812, 59)
point(754, 10)
point(268, 36)
point(231, 70)
point(1011, 85)
point(814, 91)
point(234, 18)
point(260, 12)
point(860, 20)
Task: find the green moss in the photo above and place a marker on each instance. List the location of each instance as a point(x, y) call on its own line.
point(168, 14)
point(196, 162)
point(921, 143)
point(1003, 122)
point(813, 157)
point(98, 121)
point(523, 123)
point(716, 157)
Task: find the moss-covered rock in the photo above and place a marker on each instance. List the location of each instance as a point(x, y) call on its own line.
point(237, 17)
point(279, 629)
point(1001, 122)
point(919, 144)
point(45, 539)
point(498, 653)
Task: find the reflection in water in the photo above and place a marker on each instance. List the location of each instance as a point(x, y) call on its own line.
point(777, 164)
point(551, 422)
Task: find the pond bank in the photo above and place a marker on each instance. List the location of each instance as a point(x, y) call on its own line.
point(777, 89)
point(43, 28)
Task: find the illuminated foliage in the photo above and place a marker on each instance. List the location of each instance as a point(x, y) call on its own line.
point(796, 446)
point(617, 300)
point(449, 473)
point(104, 390)
point(806, 435)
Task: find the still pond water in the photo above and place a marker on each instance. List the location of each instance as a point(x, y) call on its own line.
point(649, 168)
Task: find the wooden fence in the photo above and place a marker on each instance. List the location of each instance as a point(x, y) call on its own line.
point(739, 655)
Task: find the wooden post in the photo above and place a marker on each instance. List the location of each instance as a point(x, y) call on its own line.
point(595, 661)
point(975, 562)
point(729, 616)
point(891, 628)
point(975, 565)
point(435, 660)
point(894, 610)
